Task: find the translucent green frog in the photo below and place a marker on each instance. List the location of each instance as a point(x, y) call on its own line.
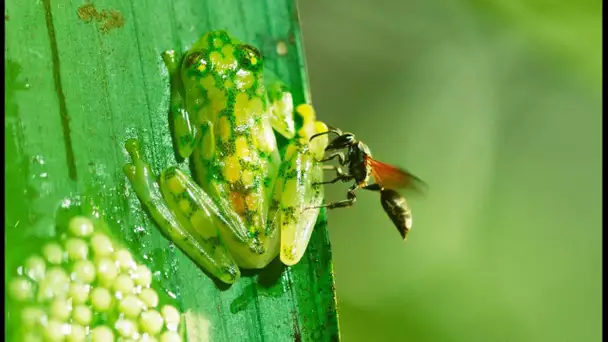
point(250, 201)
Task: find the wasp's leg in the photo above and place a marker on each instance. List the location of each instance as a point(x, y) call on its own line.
point(373, 187)
point(338, 169)
point(183, 212)
point(184, 132)
point(345, 177)
point(341, 176)
point(351, 198)
point(339, 155)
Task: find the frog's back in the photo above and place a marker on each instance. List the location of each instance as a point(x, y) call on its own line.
point(237, 154)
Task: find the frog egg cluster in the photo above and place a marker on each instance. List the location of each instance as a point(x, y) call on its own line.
point(85, 288)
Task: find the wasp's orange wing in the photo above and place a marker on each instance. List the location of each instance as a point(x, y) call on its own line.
point(392, 177)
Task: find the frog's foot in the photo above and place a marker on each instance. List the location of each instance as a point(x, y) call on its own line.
point(311, 127)
point(184, 132)
point(299, 188)
point(280, 103)
point(188, 218)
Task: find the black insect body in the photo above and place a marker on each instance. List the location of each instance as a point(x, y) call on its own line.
point(360, 166)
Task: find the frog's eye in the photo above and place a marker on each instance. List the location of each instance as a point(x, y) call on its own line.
point(197, 62)
point(249, 57)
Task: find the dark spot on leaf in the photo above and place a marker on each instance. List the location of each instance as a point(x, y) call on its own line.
point(87, 12)
point(107, 19)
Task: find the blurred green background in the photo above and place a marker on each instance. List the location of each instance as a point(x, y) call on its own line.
point(497, 105)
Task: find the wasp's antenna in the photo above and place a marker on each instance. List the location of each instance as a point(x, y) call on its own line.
point(333, 130)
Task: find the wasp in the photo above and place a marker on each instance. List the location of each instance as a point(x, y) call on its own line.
point(360, 166)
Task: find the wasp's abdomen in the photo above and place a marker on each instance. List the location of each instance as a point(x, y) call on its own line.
point(397, 209)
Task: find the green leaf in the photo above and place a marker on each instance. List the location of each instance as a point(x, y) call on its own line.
point(81, 78)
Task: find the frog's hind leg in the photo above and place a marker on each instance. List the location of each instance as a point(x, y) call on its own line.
point(184, 214)
point(184, 132)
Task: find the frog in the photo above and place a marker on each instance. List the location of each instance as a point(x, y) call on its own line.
point(248, 201)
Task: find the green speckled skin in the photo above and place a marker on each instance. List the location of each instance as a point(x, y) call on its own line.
point(252, 202)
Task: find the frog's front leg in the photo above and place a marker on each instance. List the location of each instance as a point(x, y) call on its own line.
point(184, 213)
point(184, 132)
point(281, 108)
point(299, 187)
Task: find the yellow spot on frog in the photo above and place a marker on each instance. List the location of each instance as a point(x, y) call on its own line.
point(224, 129)
point(228, 84)
point(242, 148)
point(252, 200)
point(218, 103)
point(256, 106)
point(254, 61)
point(175, 185)
point(201, 67)
point(232, 169)
point(199, 219)
point(247, 178)
point(184, 205)
point(241, 112)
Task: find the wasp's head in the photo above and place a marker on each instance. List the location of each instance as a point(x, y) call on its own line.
point(343, 141)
